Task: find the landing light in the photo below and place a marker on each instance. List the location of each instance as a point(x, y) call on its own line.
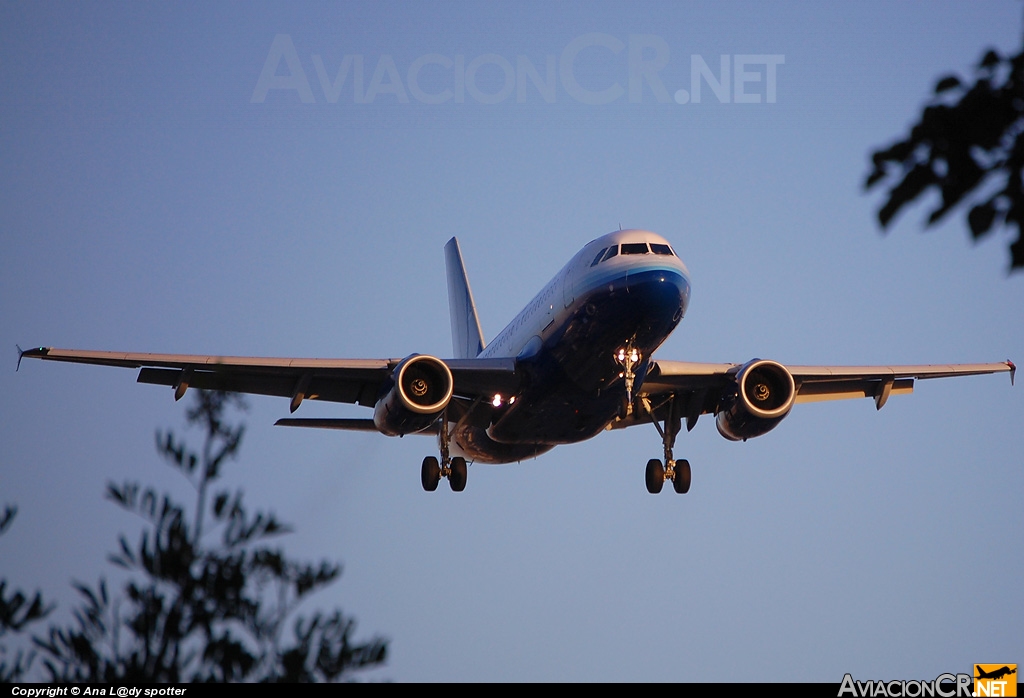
point(634, 355)
point(497, 400)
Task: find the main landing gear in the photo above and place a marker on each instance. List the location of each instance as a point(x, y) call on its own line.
point(454, 469)
point(678, 471)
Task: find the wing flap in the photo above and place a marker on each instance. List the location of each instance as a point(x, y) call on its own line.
point(814, 383)
point(353, 381)
point(476, 377)
point(352, 389)
point(849, 389)
point(674, 376)
point(923, 371)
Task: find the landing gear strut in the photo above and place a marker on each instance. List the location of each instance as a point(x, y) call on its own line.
point(676, 471)
point(628, 357)
point(454, 469)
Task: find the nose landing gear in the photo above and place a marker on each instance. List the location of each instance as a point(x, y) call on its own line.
point(628, 357)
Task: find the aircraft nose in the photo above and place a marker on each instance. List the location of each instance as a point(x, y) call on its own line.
point(667, 289)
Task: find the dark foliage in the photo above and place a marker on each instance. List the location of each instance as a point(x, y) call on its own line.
point(969, 147)
point(205, 611)
point(16, 613)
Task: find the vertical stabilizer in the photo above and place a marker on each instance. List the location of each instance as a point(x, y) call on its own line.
point(467, 337)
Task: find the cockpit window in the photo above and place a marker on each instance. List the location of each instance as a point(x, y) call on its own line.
point(659, 248)
point(598, 257)
point(612, 251)
point(635, 248)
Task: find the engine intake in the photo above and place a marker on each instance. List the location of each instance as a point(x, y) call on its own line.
point(762, 395)
point(414, 395)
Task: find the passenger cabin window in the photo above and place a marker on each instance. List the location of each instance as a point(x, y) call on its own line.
point(635, 248)
point(658, 248)
point(612, 251)
point(598, 257)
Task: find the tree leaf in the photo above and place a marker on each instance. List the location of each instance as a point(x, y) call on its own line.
point(959, 147)
point(947, 83)
point(990, 59)
point(981, 218)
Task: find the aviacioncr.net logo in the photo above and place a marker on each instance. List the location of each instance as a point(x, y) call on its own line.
point(944, 686)
point(593, 69)
point(995, 680)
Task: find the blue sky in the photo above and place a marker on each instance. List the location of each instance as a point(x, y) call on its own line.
point(148, 203)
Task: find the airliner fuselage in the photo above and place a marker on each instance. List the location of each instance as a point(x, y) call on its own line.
point(623, 292)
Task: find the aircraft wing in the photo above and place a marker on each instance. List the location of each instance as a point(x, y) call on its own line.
point(700, 386)
point(354, 381)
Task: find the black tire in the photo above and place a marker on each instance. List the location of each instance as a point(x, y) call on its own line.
point(655, 476)
point(430, 473)
point(681, 481)
point(459, 473)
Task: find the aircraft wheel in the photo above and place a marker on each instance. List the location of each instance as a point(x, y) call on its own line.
point(655, 476)
point(457, 479)
point(681, 481)
point(430, 473)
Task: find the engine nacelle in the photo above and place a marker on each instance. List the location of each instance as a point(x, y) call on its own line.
point(763, 393)
point(413, 396)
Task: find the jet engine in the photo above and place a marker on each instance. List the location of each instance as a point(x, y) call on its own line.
point(413, 396)
point(763, 393)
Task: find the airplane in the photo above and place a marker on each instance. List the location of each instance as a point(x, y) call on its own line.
point(577, 360)
point(995, 674)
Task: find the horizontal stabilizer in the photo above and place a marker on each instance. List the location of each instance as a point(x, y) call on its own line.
point(342, 424)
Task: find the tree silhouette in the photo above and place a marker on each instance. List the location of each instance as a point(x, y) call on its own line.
point(200, 611)
point(968, 146)
point(16, 613)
